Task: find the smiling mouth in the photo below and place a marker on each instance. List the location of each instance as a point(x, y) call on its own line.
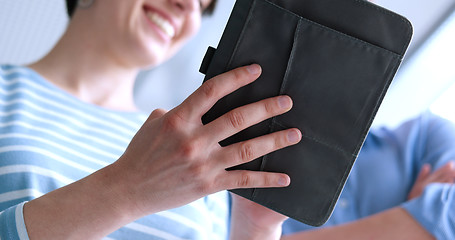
point(162, 23)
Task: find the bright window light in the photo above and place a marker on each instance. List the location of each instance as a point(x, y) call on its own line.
point(444, 105)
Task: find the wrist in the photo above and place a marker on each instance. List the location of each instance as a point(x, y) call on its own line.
point(244, 232)
point(243, 227)
point(113, 192)
point(90, 208)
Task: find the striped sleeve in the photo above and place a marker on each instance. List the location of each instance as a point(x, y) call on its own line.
point(12, 225)
point(49, 139)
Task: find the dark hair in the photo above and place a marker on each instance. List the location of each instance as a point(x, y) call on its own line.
point(209, 10)
point(71, 7)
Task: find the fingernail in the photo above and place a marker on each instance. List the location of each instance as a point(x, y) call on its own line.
point(293, 136)
point(284, 102)
point(282, 181)
point(253, 69)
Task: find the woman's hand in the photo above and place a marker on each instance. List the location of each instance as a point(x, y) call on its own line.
point(252, 221)
point(174, 159)
point(445, 174)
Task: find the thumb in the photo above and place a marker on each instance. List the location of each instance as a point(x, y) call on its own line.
point(157, 113)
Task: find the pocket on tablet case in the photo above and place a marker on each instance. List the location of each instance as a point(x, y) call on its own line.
point(337, 71)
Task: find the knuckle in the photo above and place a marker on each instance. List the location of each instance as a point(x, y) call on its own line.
point(246, 152)
point(281, 140)
point(238, 74)
point(171, 122)
point(189, 148)
point(267, 181)
point(269, 107)
point(197, 171)
point(236, 119)
point(209, 89)
point(205, 186)
point(244, 180)
point(158, 112)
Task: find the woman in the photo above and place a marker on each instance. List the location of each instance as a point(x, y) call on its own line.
point(69, 117)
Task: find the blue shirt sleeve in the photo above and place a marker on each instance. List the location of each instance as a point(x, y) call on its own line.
point(435, 208)
point(391, 160)
point(12, 225)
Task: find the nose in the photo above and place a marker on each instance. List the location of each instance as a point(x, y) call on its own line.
point(184, 6)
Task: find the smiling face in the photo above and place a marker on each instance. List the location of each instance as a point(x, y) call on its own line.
point(141, 33)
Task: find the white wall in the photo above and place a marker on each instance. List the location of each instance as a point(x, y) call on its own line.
point(28, 29)
point(423, 78)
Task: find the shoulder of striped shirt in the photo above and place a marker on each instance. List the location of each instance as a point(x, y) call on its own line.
point(26, 76)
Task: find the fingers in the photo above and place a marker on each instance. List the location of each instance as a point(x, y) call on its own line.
point(247, 151)
point(246, 116)
point(424, 172)
point(243, 152)
point(250, 179)
point(198, 103)
point(445, 174)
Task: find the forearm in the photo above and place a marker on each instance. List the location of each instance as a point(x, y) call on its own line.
point(88, 209)
point(250, 221)
point(395, 223)
point(241, 230)
point(246, 234)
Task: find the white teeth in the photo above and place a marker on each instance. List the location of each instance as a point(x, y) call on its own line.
point(161, 22)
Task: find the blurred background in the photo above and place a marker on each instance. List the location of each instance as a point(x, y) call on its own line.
point(28, 29)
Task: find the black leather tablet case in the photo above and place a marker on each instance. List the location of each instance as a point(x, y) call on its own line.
point(335, 59)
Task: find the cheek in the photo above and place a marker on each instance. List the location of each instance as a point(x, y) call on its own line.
point(192, 26)
point(190, 29)
point(155, 52)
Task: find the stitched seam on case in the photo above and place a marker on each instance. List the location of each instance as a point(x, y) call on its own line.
point(291, 57)
point(387, 12)
point(339, 187)
point(376, 105)
point(247, 21)
point(344, 34)
point(367, 44)
point(282, 87)
point(321, 142)
point(332, 201)
point(393, 56)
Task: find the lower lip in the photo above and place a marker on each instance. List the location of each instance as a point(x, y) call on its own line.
point(157, 29)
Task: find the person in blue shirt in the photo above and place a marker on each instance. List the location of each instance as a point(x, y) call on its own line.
point(67, 119)
point(401, 187)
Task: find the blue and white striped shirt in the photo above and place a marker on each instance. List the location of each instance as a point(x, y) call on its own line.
point(49, 139)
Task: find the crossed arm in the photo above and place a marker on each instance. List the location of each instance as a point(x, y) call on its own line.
point(395, 223)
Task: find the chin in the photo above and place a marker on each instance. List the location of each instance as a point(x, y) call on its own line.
point(149, 57)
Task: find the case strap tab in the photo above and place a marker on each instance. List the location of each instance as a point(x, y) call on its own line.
point(207, 60)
